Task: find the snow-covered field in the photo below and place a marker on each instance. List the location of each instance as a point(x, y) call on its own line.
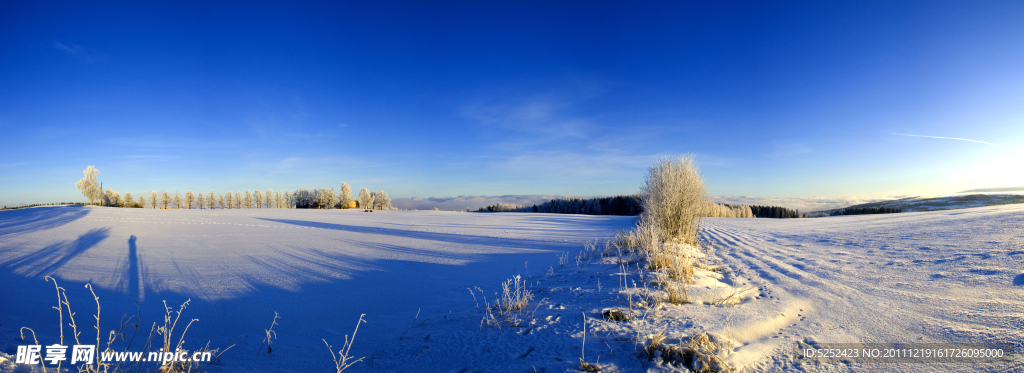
point(945, 276)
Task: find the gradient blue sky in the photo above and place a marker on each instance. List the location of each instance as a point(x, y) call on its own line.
point(775, 99)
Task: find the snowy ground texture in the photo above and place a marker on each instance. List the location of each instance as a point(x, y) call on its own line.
point(422, 278)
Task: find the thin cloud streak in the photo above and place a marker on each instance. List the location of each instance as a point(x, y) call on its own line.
point(949, 138)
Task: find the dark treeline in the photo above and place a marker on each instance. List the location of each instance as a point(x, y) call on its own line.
point(777, 212)
point(618, 205)
point(866, 210)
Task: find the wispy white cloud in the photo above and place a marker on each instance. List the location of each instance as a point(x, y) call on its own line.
point(72, 49)
point(949, 138)
point(11, 165)
point(782, 149)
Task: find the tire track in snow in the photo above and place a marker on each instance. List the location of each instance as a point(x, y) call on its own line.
point(851, 295)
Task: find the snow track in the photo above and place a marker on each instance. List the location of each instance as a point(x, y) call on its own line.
point(937, 277)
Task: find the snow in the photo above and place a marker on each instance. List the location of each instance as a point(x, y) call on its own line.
point(421, 278)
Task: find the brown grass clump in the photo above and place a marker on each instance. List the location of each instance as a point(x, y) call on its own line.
point(699, 353)
point(675, 295)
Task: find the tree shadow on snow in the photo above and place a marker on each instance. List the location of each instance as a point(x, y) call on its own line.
point(465, 239)
point(39, 218)
point(46, 261)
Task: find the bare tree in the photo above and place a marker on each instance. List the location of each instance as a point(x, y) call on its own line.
point(88, 185)
point(346, 196)
point(189, 199)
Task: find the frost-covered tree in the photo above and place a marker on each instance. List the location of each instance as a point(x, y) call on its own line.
point(88, 185)
point(142, 202)
point(280, 199)
point(111, 198)
point(289, 199)
point(303, 198)
point(674, 198)
point(382, 201)
point(165, 199)
point(346, 195)
point(248, 199)
point(177, 200)
point(327, 198)
point(200, 200)
point(211, 200)
point(258, 198)
point(190, 198)
point(127, 201)
point(238, 200)
point(152, 199)
point(365, 199)
point(223, 202)
point(229, 198)
point(269, 195)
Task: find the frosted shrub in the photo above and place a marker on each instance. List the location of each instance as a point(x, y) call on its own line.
point(674, 198)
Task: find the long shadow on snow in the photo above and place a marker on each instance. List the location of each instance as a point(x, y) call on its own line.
point(47, 260)
point(390, 294)
point(39, 218)
point(466, 239)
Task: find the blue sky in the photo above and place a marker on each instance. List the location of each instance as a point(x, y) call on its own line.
point(441, 99)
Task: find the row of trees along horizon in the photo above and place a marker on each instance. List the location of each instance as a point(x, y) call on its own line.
point(632, 205)
point(320, 198)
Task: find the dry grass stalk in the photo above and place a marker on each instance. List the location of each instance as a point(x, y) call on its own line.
point(514, 295)
point(270, 334)
point(343, 360)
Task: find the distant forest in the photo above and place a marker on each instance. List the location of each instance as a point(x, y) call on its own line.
point(865, 210)
point(776, 212)
point(630, 206)
point(618, 205)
